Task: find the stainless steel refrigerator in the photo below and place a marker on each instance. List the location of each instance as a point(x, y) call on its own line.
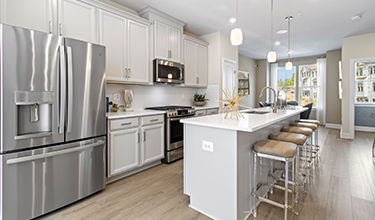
point(53, 131)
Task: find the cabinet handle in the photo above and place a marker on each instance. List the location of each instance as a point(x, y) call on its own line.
point(153, 120)
point(169, 54)
point(50, 27)
point(144, 136)
point(123, 124)
point(61, 29)
point(197, 79)
point(138, 137)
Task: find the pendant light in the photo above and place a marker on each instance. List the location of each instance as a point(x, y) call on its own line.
point(271, 56)
point(236, 33)
point(289, 64)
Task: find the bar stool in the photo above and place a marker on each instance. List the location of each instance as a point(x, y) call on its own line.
point(314, 135)
point(279, 151)
point(301, 178)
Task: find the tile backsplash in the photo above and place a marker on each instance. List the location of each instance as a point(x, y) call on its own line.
point(157, 95)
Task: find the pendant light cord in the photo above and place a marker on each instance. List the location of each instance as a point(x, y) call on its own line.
point(236, 12)
point(289, 38)
point(271, 25)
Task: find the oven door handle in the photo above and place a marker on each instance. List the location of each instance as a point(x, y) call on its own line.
point(176, 119)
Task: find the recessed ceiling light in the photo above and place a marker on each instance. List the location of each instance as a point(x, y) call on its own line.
point(282, 31)
point(356, 18)
point(232, 20)
point(277, 43)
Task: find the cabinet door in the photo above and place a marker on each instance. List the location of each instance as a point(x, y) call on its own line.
point(174, 44)
point(138, 52)
point(77, 20)
point(161, 40)
point(123, 151)
point(35, 15)
point(112, 34)
point(190, 60)
point(152, 143)
point(202, 59)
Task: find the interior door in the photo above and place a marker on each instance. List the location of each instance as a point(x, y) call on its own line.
point(175, 44)
point(77, 20)
point(115, 44)
point(86, 90)
point(30, 111)
point(36, 15)
point(138, 55)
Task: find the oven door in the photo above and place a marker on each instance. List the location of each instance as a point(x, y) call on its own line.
point(175, 133)
point(168, 72)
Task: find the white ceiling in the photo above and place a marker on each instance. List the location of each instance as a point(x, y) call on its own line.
point(318, 25)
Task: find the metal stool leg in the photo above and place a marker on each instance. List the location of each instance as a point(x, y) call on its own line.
point(286, 190)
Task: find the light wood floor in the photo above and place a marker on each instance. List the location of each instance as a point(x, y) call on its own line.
point(343, 188)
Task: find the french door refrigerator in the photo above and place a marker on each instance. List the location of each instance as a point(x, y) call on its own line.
point(53, 131)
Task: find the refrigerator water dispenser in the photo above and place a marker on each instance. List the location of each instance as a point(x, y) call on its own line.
point(34, 114)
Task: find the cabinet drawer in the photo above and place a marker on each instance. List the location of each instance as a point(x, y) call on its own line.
point(212, 111)
point(123, 123)
point(200, 113)
point(152, 119)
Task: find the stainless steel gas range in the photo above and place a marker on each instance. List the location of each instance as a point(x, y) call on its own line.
point(174, 139)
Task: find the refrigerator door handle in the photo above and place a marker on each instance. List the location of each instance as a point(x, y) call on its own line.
point(52, 154)
point(70, 88)
point(62, 89)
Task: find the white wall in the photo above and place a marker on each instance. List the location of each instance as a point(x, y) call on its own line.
point(357, 47)
point(157, 95)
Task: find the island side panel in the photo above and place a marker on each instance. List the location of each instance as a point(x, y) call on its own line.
point(211, 177)
point(245, 141)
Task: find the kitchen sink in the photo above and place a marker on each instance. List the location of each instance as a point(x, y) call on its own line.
point(257, 112)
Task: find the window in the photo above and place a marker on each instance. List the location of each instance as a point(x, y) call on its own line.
point(286, 81)
point(308, 84)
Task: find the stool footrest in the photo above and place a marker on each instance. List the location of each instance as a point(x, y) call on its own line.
point(271, 202)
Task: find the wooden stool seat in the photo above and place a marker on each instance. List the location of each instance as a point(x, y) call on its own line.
point(305, 125)
point(275, 148)
point(311, 121)
point(298, 130)
point(294, 138)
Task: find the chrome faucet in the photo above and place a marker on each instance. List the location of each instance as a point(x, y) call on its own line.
point(274, 104)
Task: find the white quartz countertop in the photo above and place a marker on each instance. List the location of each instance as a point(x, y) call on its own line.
point(131, 114)
point(197, 108)
point(250, 122)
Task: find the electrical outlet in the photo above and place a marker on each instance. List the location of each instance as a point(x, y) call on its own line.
point(116, 97)
point(208, 146)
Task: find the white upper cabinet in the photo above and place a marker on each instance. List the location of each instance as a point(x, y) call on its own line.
point(191, 62)
point(138, 52)
point(77, 20)
point(32, 14)
point(167, 34)
point(202, 55)
point(127, 47)
point(161, 37)
point(196, 62)
point(115, 44)
point(175, 38)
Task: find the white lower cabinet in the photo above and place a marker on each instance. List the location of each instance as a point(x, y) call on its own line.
point(124, 150)
point(134, 143)
point(152, 143)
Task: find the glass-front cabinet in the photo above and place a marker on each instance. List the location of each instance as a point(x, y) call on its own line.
point(365, 83)
point(243, 83)
point(309, 84)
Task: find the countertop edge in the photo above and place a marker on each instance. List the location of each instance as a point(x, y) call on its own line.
point(235, 128)
point(133, 114)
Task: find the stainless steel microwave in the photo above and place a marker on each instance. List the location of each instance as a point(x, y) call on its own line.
point(166, 71)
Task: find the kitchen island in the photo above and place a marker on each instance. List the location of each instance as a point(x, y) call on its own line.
point(218, 159)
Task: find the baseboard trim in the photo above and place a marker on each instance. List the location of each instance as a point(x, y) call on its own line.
point(365, 128)
point(334, 126)
point(345, 135)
